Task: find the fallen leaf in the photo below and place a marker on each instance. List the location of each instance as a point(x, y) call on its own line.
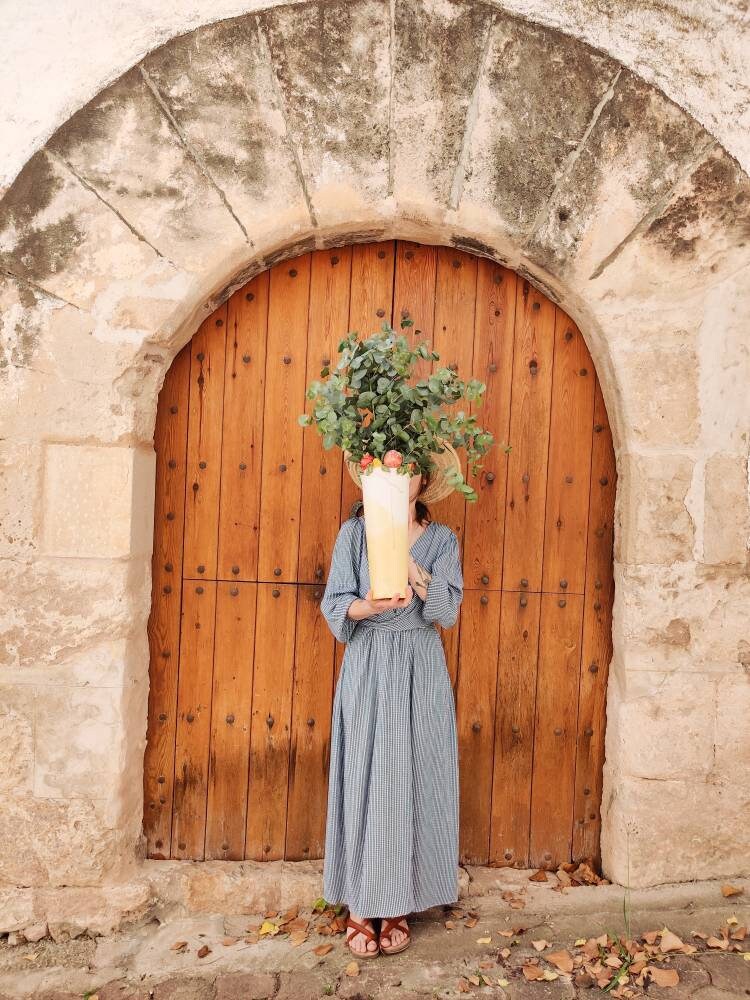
point(714, 942)
point(549, 976)
point(505, 953)
point(731, 890)
point(540, 875)
point(740, 934)
point(474, 980)
point(323, 949)
point(506, 933)
point(541, 944)
point(251, 938)
point(352, 969)
point(463, 986)
point(271, 913)
point(669, 941)
point(449, 925)
point(203, 951)
point(664, 977)
point(267, 927)
point(297, 937)
point(532, 972)
point(471, 922)
point(746, 956)
point(562, 960)
point(579, 942)
point(229, 941)
point(179, 946)
point(502, 982)
point(484, 940)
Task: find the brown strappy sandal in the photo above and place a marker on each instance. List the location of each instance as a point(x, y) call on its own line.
point(388, 924)
point(361, 929)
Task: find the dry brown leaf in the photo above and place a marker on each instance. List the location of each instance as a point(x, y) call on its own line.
point(541, 944)
point(714, 942)
point(203, 951)
point(731, 890)
point(532, 972)
point(323, 949)
point(229, 941)
point(562, 960)
point(297, 937)
point(471, 922)
point(288, 915)
point(474, 980)
point(540, 875)
point(352, 969)
point(252, 938)
point(583, 979)
point(270, 914)
point(463, 986)
point(650, 936)
point(179, 946)
point(517, 904)
point(669, 941)
point(664, 977)
point(484, 940)
point(449, 925)
point(613, 962)
point(739, 934)
point(688, 949)
point(505, 953)
point(507, 934)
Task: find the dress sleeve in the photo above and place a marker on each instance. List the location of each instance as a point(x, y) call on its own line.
point(445, 590)
point(342, 586)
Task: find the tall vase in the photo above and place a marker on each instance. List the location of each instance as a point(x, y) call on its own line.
point(385, 494)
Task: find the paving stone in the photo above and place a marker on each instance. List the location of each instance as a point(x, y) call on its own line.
point(246, 986)
point(728, 972)
point(305, 986)
point(180, 988)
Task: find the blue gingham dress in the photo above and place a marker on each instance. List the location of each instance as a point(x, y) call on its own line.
point(392, 821)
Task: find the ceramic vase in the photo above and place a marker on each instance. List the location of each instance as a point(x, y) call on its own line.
point(385, 495)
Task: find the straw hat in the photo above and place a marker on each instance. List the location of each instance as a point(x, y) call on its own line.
point(437, 487)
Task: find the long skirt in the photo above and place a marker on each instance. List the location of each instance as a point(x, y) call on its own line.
point(392, 821)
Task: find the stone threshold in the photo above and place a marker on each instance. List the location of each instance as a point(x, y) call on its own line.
point(166, 890)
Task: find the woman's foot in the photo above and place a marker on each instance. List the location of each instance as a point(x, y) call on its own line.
point(359, 942)
point(396, 934)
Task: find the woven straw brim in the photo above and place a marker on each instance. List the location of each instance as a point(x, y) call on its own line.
point(437, 487)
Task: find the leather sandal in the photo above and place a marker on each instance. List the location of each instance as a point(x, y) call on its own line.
point(368, 933)
point(388, 924)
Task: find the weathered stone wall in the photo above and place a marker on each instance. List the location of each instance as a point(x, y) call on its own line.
point(234, 146)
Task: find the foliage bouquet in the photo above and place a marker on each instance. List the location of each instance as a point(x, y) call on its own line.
point(391, 427)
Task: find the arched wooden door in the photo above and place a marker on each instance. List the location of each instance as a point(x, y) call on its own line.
point(247, 509)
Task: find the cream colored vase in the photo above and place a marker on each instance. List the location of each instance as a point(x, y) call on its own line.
point(385, 494)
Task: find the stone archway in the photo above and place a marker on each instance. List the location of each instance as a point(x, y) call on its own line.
point(233, 147)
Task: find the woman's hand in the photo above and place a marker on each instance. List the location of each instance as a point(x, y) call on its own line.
point(386, 603)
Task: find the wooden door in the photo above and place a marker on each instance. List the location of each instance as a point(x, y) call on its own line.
point(243, 666)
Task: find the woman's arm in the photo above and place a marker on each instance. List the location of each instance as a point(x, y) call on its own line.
point(445, 588)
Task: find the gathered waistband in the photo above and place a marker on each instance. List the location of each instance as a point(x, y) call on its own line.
point(395, 624)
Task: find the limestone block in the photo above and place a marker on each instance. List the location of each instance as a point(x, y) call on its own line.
point(526, 123)
point(300, 880)
point(50, 842)
point(55, 232)
point(335, 94)
point(661, 726)
point(218, 84)
point(438, 53)
point(659, 386)
point(673, 831)
point(249, 887)
point(16, 739)
point(96, 911)
point(123, 145)
point(731, 742)
point(636, 150)
point(52, 613)
point(78, 744)
point(726, 527)
point(656, 526)
point(684, 617)
point(98, 501)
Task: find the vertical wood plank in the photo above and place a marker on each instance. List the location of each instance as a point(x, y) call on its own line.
point(288, 305)
point(514, 729)
point(370, 305)
point(311, 730)
point(170, 440)
point(193, 719)
point(529, 434)
point(493, 365)
point(569, 463)
point(414, 297)
point(204, 447)
point(230, 721)
point(321, 470)
point(455, 305)
point(242, 439)
point(475, 696)
point(271, 721)
point(552, 782)
point(597, 640)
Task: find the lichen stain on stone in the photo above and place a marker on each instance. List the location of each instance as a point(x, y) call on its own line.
point(38, 249)
point(719, 200)
point(359, 236)
point(285, 253)
point(472, 245)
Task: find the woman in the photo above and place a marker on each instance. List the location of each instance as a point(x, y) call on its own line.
point(392, 821)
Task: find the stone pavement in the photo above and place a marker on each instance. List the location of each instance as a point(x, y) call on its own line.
point(491, 945)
